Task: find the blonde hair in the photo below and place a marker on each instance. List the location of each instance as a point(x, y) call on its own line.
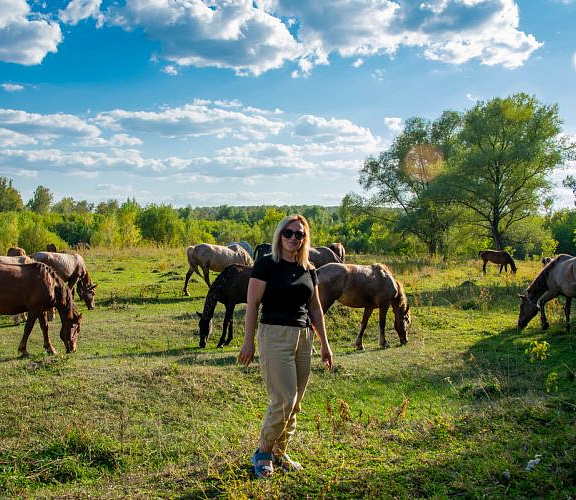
point(303, 251)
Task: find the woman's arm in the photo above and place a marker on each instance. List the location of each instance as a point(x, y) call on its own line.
point(255, 292)
point(317, 318)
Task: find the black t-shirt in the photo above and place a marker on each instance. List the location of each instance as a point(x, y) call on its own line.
point(289, 287)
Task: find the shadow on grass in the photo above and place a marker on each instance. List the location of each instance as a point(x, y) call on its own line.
point(111, 302)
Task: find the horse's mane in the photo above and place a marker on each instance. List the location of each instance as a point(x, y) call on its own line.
point(401, 300)
point(539, 285)
point(62, 292)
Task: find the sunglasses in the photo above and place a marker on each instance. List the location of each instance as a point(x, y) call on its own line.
point(288, 233)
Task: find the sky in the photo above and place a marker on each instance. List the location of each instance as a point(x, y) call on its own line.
point(236, 102)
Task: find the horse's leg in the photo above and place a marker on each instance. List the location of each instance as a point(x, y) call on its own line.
point(188, 275)
point(546, 297)
point(226, 326)
point(567, 312)
point(484, 266)
point(230, 327)
point(206, 271)
point(365, 318)
point(382, 323)
point(32, 315)
point(43, 320)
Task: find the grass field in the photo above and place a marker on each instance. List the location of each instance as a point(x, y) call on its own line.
point(140, 411)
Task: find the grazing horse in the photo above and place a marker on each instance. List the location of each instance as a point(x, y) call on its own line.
point(35, 288)
point(320, 256)
point(497, 257)
point(72, 269)
point(20, 259)
point(229, 288)
point(339, 250)
point(15, 252)
point(213, 258)
point(370, 287)
point(261, 250)
point(557, 278)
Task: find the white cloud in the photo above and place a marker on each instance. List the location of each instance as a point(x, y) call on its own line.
point(235, 34)
point(394, 124)
point(46, 127)
point(574, 59)
point(170, 70)
point(9, 138)
point(12, 87)
point(25, 38)
point(201, 118)
point(78, 10)
point(378, 74)
point(358, 62)
point(471, 97)
point(333, 131)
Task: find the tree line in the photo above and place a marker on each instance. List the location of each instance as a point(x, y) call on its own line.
point(449, 186)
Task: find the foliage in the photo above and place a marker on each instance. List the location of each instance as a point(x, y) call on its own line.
point(562, 226)
point(402, 175)
point(41, 200)
point(500, 169)
point(10, 198)
point(34, 236)
point(9, 230)
point(537, 351)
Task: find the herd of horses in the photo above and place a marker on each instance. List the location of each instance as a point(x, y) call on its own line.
point(39, 283)
point(35, 285)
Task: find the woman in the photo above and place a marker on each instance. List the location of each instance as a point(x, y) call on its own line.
point(285, 283)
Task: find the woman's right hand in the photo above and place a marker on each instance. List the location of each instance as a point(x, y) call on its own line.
point(246, 354)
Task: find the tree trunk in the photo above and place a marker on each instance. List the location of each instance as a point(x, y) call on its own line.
point(497, 237)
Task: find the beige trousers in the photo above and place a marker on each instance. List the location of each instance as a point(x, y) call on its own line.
point(285, 353)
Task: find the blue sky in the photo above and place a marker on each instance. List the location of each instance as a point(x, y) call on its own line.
point(255, 102)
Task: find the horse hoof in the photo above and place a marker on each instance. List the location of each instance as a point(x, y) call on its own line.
point(186, 294)
point(385, 346)
point(24, 354)
point(545, 326)
point(359, 347)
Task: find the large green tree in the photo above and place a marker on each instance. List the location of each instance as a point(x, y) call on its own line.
point(41, 200)
point(501, 165)
point(402, 175)
point(10, 198)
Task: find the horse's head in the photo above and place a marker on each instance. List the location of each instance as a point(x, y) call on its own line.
point(70, 329)
point(87, 293)
point(528, 310)
point(402, 322)
point(205, 326)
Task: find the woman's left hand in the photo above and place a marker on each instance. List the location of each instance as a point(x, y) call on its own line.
point(327, 357)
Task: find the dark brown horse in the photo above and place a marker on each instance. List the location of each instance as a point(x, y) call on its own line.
point(497, 257)
point(35, 288)
point(229, 288)
point(320, 256)
point(72, 269)
point(369, 287)
point(339, 250)
point(557, 278)
point(15, 252)
point(261, 250)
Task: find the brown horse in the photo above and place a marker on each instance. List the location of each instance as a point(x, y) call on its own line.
point(35, 288)
point(369, 287)
point(229, 288)
point(72, 269)
point(320, 256)
point(497, 257)
point(557, 278)
point(15, 252)
point(339, 250)
point(213, 258)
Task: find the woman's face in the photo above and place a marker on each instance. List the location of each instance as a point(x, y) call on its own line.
point(292, 244)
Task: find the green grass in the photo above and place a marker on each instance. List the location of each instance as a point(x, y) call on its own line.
point(140, 410)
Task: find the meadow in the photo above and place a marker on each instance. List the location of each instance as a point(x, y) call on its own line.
point(141, 411)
